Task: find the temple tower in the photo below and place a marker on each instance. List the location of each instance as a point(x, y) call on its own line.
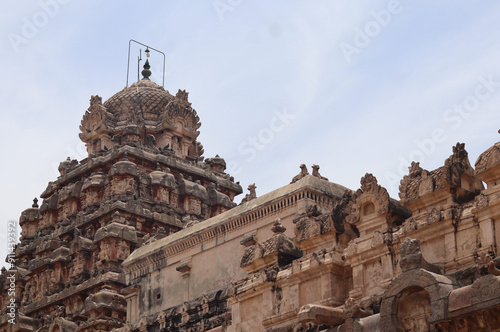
point(145, 177)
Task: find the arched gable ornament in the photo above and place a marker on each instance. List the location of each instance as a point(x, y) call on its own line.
point(93, 119)
point(370, 192)
point(180, 109)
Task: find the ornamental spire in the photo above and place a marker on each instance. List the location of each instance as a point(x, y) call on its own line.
point(146, 72)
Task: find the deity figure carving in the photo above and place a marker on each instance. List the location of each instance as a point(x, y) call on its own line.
point(105, 251)
point(194, 205)
point(123, 186)
point(122, 250)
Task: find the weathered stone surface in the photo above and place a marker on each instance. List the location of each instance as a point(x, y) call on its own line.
point(320, 315)
point(412, 258)
point(278, 249)
point(460, 299)
point(116, 230)
point(485, 292)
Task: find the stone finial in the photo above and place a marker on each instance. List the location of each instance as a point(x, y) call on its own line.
point(217, 164)
point(278, 227)
point(459, 152)
point(95, 100)
point(146, 72)
point(35, 203)
point(415, 170)
point(182, 95)
point(369, 183)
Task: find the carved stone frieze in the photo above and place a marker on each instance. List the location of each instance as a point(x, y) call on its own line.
point(434, 216)
point(312, 224)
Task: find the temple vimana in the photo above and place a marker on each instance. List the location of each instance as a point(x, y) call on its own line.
point(144, 235)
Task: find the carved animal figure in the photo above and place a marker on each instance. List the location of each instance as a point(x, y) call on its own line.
point(316, 172)
point(303, 172)
point(251, 195)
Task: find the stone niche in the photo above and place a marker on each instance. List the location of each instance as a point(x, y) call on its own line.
point(92, 189)
point(413, 307)
point(162, 184)
point(124, 177)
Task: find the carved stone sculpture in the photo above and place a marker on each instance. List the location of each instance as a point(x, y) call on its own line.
point(303, 172)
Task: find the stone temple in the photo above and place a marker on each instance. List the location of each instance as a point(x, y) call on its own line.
point(144, 235)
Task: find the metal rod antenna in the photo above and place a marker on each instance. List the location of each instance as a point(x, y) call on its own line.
point(154, 49)
point(139, 58)
point(128, 63)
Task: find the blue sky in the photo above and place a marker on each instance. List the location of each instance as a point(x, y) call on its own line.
point(356, 87)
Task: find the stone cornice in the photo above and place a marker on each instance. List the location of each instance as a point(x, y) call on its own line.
point(320, 191)
point(184, 166)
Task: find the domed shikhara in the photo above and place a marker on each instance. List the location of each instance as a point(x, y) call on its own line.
point(143, 96)
point(144, 114)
